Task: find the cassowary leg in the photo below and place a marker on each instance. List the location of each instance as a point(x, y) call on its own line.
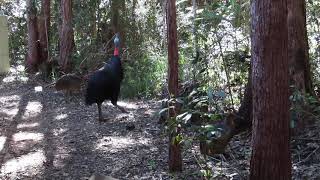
point(99, 111)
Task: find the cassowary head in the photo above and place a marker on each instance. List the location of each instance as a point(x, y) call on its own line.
point(116, 40)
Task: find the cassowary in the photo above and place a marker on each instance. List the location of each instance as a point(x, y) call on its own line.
point(104, 84)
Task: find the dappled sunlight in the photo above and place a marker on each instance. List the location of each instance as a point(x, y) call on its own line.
point(16, 74)
point(23, 136)
point(38, 89)
point(116, 143)
point(30, 164)
point(150, 112)
point(141, 9)
point(129, 105)
point(27, 125)
point(59, 131)
point(61, 116)
point(62, 155)
point(9, 79)
point(9, 105)
point(33, 109)
point(2, 142)
point(122, 116)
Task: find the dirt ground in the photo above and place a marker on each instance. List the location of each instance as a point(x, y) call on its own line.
point(47, 135)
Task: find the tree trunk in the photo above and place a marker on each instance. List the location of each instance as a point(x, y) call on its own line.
point(244, 115)
point(299, 66)
point(66, 36)
point(32, 59)
point(44, 26)
point(96, 15)
point(299, 69)
point(173, 56)
point(270, 89)
point(116, 7)
point(175, 159)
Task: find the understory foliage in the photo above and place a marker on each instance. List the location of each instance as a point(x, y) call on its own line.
point(214, 52)
point(214, 42)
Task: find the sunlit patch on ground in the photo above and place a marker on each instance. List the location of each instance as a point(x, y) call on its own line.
point(61, 116)
point(33, 109)
point(38, 89)
point(27, 125)
point(16, 74)
point(61, 156)
point(150, 112)
point(124, 116)
point(29, 164)
point(128, 105)
point(2, 142)
point(9, 105)
point(23, 136)
point(115, 143)
point(59, 131)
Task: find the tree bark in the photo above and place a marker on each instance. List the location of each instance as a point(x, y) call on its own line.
point(243, 120)
point(299, 66)
point(32, 58)
point(270, 89)
point(66, 36)
point(44, 26)
point(117, 6)
point(173, 56)
point(299, 69)
point(175, 158)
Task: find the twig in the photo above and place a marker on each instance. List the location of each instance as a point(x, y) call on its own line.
point(307, 158)
point(306, 139)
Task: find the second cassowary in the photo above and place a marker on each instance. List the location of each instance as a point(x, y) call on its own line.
point(104, 84)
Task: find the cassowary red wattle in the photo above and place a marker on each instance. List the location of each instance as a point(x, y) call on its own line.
point(104, 84)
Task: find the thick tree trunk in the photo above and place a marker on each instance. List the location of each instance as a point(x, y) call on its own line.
point(175, 158)
point(32, 58)
point(44, 25)
point(66, 36)
point(299, 69)
point(299, 66)
point(270, 89)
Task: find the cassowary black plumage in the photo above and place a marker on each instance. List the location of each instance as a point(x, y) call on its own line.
point(104, 84)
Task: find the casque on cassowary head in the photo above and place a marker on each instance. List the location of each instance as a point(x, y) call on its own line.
point(104, 84)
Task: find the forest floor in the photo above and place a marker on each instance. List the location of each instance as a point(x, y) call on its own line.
point(47, 135)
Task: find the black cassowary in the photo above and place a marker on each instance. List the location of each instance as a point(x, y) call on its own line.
point(104, 84)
